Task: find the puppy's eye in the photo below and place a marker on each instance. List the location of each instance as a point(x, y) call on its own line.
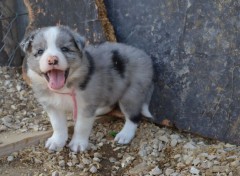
point(40, 52)
point(65, 49)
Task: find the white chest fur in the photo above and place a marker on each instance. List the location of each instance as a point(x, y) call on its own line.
point(63, 102)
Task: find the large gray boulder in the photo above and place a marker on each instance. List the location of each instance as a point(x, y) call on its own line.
point(195, 45)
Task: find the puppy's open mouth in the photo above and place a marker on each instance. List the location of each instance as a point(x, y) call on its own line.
point(56, 78)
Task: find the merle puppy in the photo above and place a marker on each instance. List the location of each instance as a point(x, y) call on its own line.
point(89, 80)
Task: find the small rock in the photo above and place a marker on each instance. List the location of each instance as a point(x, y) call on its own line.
point(127, 159)
point(174, 136)
point(180, 165)
point(70, 164)
point(55, 173)
point(142, 152)
point(96, 159)
point(97, 155)
point(62, 163)
point(206, 165)
point(211, 157)
point(112, 160)
point(3, 128)
point(6, 120)
point(93, 169)
point(188, 160)
point(99, 135)
point(75, 161)
point(37, 161)
point(229, 145)
point(19, 87)
point(196, 161)
point(138, 168)
point(10, 158)
point(155, 171)
point(235, 163)
point(217, 169)
point(194, 170)
point(163, 138)
point(174, 142)
point(177, 156)
point(80, 166)
point(160, 147)
point(169, 171)
point(119, 155)
point(36, 127)
point(189, 145)
point(6, 83)
point(86, 161)
point(13, 107)
point(155, 153)
point(70, 174)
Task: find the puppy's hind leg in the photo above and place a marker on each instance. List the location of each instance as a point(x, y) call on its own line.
point(132, 111)
point(145, 108)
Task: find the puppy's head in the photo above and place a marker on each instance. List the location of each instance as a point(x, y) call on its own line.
point(53, 54)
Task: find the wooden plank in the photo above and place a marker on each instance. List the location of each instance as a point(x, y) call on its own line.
point(12, 142)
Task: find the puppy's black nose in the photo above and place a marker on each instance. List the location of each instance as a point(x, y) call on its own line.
point(52, 60)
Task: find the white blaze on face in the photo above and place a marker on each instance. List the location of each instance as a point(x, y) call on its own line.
point(55, 73)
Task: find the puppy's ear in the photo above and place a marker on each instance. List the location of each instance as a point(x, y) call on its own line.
point(26, 43)
point(79, 40)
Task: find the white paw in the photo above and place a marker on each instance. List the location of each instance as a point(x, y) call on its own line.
point(55, 142)
point(77, 145)
point(124, 137)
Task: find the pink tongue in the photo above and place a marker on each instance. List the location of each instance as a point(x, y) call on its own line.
point(56, 79)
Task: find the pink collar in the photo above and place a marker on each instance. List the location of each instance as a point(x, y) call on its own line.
point(73, 96)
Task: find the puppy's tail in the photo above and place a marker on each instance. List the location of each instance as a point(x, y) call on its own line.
point(145, 108)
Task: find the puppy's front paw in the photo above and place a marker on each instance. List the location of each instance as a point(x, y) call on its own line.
point(124, 137)
point(77, 145)
point(55, 142)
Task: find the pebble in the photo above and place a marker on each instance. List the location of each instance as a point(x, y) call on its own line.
point(3, 128)
point(62, 163)
point(189, 145)
point(80, 166)
point(93, 169)
point(155, 171)
point(55, 173)
point(18, 87)
point(96, 159)
point(169, 171)
point(196, 161)
point(70, 164)
point(173, 142)
point(138, 168)
point(112, 160)
point(217, 169)
point(6, 119)
point(97, 155)
point(127, 160)
point(10, 158)
point(164, 139)
point(86, 161)
point(142, 152)
point(194, 170)
point(37, 161)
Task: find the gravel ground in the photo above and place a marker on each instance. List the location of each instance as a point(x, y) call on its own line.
point(154, 151)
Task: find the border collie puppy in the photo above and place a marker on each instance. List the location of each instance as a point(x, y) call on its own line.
point(89, 80)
